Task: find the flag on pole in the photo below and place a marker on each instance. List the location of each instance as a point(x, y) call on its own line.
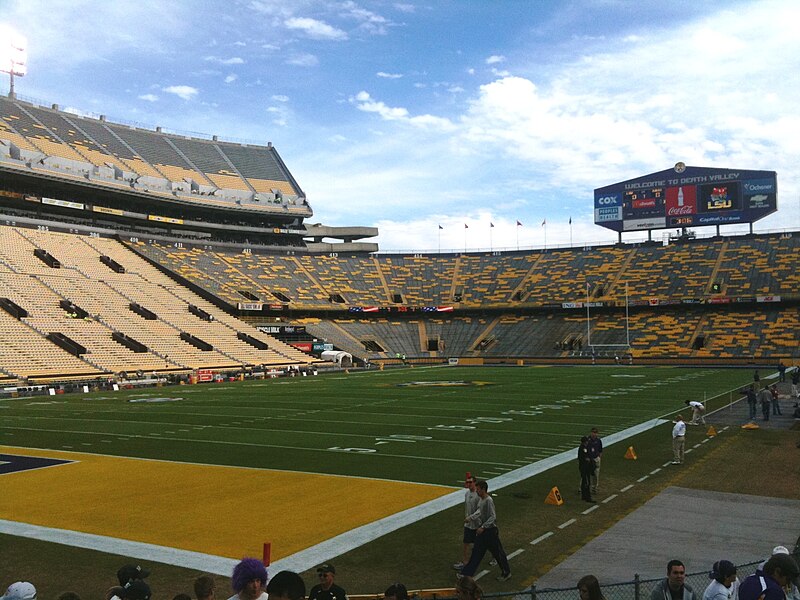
point(570, 220)
point(544, 222)
point(440, 227)
point(519, 224)
point(491, 224)
point(466, 226)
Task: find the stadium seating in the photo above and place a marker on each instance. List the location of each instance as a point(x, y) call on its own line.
point(105, 296)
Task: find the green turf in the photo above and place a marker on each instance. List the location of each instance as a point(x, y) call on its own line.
point(421, 424)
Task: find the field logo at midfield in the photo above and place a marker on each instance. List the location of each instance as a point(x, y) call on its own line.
point(456, 383)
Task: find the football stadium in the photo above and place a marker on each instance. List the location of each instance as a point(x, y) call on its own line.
point(191, 372)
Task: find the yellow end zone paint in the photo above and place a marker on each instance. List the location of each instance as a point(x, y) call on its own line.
point(225, 511)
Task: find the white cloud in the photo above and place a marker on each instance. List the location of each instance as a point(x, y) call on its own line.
point(303, 60)
point(235, 60)
point(368, 21)
point(149, 97)
point(404, 8)
point(364, 102)
point(388, 75)
point(315, 29)
point(495, 59)
point(186, 92)
point(280, 98)
point(231, 78)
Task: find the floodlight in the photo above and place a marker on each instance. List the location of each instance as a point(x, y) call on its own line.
point(13, 54)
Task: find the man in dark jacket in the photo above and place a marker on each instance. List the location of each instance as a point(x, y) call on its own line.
point(779, 572)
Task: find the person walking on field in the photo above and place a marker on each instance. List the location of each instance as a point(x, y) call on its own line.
point(487, 536)
point(471, 500)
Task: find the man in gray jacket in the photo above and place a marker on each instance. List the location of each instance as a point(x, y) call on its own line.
point(674, 586)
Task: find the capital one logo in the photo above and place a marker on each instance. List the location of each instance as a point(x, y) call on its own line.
point(681, 200)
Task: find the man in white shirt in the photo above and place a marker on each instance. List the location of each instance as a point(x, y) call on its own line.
point(678, 440)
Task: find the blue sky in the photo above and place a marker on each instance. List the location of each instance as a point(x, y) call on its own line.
point(410, 115)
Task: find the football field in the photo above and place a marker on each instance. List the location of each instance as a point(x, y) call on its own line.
point(361, 446)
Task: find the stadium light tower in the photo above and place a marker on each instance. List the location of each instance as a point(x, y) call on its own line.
point(13, 55)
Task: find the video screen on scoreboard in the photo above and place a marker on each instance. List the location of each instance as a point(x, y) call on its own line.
point(717, 197)
point(643, 204)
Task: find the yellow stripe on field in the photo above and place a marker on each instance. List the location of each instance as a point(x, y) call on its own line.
point(225, 511)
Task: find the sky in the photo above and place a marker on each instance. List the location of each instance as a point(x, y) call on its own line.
point(443, 123)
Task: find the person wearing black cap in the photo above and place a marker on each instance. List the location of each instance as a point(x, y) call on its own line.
point(136, 590)
point(586, 467)
point(286, 585)
point(724, 575)
point(326, 589)
point(396, 591)
point(128, 573)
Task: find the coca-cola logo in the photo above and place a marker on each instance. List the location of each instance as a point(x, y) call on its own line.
point(673, 211)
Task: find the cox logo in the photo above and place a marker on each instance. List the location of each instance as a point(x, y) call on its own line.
point(607, 201)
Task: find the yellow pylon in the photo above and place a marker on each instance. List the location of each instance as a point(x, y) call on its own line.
point(711, 431)
point(631, 453)
point(554, 497)
point(750, 426)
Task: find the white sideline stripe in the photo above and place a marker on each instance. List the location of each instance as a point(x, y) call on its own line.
point(541, 538)
point(481, 574)
point(689, 450)
point(329, 549)
point(626, 488)
point(705, 440)
point(609, 499)
point(666, 464)
point(218, 565)
point(654, 471)
point(590, 509)
point(641, 479)
point(515, 553)
point(567, 523)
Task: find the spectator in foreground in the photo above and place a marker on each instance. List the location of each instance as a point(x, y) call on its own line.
point(204, 587)
point(723, 574)
point(21, 590)
point(792, 592)
point(396, 591)
point(326, 574)
point(467, 589)
point(674, 585)
point(248, 580)
point(780, 572)
point(286, 585)
point(128, 573)
point(589, 588)
point(136, 590)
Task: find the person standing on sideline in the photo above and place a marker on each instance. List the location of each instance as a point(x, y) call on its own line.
point(756, 379)
point(723, 574)
point(776, 407)
point(471, 500)
point(765, 397)
point(595, 446)
point(487, 536)
point(678, 440)
point(674, 586)
point(751, 402)
point(698, 412)
point(586, 468)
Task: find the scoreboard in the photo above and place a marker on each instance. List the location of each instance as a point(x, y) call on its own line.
point(686, 196)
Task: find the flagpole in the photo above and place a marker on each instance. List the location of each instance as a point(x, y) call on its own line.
point(570, 231)
point(491, 246)
point(544, 224)
point(517, 235)
point(439, 231)
point(465, 238)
